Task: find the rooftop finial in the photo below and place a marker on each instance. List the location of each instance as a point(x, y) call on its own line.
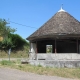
point(61, 9)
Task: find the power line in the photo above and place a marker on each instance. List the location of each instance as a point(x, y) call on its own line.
point(21, 24)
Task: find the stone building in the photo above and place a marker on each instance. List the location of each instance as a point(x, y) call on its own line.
point(62, 32)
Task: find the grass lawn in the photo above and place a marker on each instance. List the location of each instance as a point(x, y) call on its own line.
point(62, 72)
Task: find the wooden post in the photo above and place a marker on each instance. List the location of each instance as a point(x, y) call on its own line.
point(36, 47)
point(36, 50)
point(55, 46)
point(77, 46)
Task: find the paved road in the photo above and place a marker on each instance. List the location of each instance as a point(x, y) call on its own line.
point(13, 74)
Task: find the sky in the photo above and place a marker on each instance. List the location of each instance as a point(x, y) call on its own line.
point(34, 13)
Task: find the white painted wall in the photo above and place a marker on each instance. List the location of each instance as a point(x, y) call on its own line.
point(33, 48)
point(32, 52)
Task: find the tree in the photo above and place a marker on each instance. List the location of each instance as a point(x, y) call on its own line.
point(7, 43)
point(5, 29)
point(10, 40)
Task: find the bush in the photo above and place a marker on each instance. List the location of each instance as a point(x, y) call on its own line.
point(13, 41)
point(18, 41)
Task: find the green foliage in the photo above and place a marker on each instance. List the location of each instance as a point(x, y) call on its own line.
point(5, 62)
point(10, 40)
point(39, 65)
point(7, 43)
point(17, 41)
point(13, 41)
point(4, 28)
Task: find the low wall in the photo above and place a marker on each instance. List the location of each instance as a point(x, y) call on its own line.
point(70, 60)
point(56, 63)
point(64, 56)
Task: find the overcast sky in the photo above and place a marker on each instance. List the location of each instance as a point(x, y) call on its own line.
point(34, 13)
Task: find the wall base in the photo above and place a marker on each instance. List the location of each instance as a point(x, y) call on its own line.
point(56, 63)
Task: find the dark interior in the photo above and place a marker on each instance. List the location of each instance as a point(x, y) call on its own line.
point(62, 46)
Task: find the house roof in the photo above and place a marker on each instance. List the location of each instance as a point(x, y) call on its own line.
point(61, 23)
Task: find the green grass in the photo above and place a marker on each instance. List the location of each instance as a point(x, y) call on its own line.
point(62, 72)
point(4, 62)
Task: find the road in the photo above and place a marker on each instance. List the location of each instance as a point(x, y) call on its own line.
point(14, 74)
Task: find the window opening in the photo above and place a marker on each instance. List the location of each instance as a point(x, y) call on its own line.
point(48, 48)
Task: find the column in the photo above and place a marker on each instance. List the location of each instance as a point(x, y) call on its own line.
point(55, 47)
point(77, 46)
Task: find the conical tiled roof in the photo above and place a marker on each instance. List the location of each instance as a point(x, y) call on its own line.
point(61, 23)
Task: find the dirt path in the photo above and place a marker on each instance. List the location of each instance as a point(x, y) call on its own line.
point(13, 74)
point(12, 59)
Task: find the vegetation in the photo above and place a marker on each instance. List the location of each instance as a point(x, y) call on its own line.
point(62, 72)
point(14, 41)
point(4, 28)
point(10, 40)
point(17, 41)
point(19, 47)
point(15, 54)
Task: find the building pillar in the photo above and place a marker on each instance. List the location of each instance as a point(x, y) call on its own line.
point(36, 47)
point(77, 46)
point(33, 47)
point(55, 47)
point(32, 53)
point(36, 52)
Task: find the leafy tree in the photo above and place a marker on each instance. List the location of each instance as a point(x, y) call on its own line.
point(7, 43)
point(10, 40)
point(4, 28)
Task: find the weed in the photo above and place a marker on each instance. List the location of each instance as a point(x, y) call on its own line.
point(39, 65)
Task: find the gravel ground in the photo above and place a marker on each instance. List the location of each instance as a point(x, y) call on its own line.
point(12, 59)
point(14, 74)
